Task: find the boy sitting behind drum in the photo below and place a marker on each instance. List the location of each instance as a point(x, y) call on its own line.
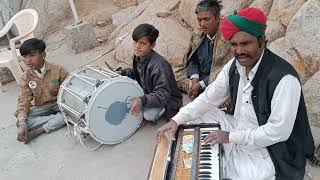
point(37, 109)
point(154, 74)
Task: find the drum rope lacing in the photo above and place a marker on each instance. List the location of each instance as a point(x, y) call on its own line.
point(77, 131)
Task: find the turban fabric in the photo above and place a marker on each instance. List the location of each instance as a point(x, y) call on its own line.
point(250, 20)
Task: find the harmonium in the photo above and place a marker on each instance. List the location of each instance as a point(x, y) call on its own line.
point(188, 157)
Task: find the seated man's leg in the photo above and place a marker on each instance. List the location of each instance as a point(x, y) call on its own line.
point(35, 117)
point(54, 122)
point(246, 163)
point(153, 114)
point(44, 119)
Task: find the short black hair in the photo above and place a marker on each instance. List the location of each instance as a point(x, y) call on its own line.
point(146, 30)
point(32, 44)
point(213, 6)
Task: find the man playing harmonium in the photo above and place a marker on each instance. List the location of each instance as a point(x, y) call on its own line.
point(265, 134)
point(37, 109)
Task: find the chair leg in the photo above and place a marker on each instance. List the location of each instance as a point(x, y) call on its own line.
point(1, 87)
point(16, 70)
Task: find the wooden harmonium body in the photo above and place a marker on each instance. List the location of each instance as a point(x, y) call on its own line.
point(187, 158)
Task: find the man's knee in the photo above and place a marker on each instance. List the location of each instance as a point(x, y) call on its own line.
point(153, 114)
point(55, 122)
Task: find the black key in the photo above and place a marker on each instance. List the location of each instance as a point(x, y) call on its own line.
point(205, 167)
point(204, 172)
point(204, 179)
point(205, 145)
point(204, 176)
point(205, 159)
point(205, 156)
point(205, 152)
point(205, 132)
point(206, 148)
point(205, 164)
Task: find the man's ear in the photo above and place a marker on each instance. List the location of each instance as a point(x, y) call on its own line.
point(153, 45)
point(262, 41)
point(44, 55)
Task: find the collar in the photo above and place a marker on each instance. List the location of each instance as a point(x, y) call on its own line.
point(41, 69)
point(146, 58)
point(46, 66)
point(211, 39)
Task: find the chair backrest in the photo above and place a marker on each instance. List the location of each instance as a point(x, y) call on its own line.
point(25, 21)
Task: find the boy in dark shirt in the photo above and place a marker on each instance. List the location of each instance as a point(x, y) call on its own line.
point(154, 74)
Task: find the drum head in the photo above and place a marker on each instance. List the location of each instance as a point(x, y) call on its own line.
point(108, 114)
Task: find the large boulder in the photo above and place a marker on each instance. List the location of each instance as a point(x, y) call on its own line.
point(123, 16)
point(144, 11)
point(305, 66)
point(303, 31)
point(284, 10)
point(274, 31)
point(186, 10)
point(127, 15)
point(51, 15)
point(125, 3)
point(265, 5)
point(299, 47)
point(312, 99)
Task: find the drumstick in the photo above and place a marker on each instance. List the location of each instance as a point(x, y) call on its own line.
point(99, 57)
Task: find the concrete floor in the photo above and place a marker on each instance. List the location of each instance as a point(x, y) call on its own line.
point(59, 156)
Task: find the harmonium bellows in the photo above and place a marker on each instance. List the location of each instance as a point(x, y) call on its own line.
point(187, 158)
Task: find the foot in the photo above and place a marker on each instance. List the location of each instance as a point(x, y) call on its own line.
point(143, 123)
point(316, 158)
point(33, 134)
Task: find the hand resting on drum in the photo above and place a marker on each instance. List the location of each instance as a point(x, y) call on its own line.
point(136, 106)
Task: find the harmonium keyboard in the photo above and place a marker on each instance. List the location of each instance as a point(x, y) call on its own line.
point(188, 157)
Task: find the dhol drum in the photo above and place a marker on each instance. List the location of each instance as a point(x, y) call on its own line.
point(97, 101)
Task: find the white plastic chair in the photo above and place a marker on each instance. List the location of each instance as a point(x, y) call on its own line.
point(26, 22)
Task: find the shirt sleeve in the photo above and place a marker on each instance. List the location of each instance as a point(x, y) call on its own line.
point(64, 73)
point(284, 106)
point(205, 81)
point(213, 96)
point(24, 99)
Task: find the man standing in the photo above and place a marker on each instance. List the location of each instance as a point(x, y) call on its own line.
point(200, 56)
point(266, 133)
